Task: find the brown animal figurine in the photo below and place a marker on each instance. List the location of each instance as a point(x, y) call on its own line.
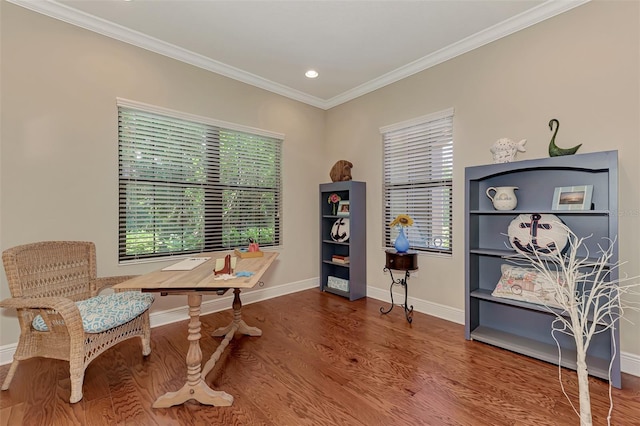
point(341, 171)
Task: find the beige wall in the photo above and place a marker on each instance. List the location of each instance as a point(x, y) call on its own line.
point(60, 149)
point(59, 178)
point(581, 67)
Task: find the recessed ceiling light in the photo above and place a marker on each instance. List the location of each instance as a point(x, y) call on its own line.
point(311, 74)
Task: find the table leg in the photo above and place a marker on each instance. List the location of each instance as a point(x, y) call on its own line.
point(195, 387)
point(408, 311)
point(236, 325)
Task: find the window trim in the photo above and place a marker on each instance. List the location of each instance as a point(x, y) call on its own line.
point(126, 103)
point(417, 121)
point(152, 109)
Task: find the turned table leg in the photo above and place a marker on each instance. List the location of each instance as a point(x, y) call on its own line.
point(195, 387)
point(228, 331)
point(237, 322)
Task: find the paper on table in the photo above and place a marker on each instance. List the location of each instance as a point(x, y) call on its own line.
point(187, 264)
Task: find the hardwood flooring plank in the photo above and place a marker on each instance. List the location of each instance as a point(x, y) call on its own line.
point(100, 412)
point(321, 360)
point(13, 415)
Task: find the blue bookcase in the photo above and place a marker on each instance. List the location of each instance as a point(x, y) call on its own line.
point(519, 326)
point(352, 276)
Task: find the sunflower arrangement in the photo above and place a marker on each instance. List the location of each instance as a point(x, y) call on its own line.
point(402, 220)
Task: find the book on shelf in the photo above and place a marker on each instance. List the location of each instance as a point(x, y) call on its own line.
point(336, 258)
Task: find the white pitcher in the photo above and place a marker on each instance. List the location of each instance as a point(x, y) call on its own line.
point(504, 197)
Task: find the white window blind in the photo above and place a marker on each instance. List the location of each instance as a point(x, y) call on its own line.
point(418, 180)
point(187, 186)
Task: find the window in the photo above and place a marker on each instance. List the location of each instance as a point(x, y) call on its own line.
point(418, 171)
point(189, 184)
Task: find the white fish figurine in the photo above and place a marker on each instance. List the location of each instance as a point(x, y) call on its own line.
point(505, 150)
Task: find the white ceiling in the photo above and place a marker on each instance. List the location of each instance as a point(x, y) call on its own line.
point(356, 46)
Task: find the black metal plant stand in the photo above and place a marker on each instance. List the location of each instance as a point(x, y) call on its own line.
point(406, 262)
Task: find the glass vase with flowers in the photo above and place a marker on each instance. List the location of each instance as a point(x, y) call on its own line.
point(401, 243)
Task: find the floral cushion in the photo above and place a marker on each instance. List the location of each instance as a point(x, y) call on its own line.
point(528, 285)
point(107, 311)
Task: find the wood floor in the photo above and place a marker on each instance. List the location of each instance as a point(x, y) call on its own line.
point(322, 360)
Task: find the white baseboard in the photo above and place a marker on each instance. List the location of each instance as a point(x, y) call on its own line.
point(630, 363)
point(6, 353)
point(419, 305)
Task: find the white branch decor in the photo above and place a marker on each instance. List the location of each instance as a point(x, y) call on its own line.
point(590, 301)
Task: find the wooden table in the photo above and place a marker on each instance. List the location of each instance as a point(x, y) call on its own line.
point(194, 284)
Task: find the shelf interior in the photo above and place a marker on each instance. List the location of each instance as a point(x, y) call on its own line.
point(546, 352)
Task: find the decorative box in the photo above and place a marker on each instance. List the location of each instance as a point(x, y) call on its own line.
point(244, 253)
point(337, 283)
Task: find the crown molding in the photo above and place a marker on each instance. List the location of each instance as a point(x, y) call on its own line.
point(72, 16)
point(84, 20)
point(519, 22)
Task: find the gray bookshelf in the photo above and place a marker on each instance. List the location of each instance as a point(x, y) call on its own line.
point(355, 272)
point(519, 326)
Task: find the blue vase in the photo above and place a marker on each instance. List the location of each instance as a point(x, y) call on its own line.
point(401, 244)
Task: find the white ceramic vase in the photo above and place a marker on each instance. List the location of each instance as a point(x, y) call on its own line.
point(504, 197)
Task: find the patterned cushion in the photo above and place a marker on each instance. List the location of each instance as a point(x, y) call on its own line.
point(107, 311)
point(529, 285)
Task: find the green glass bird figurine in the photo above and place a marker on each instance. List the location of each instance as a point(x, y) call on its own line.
point(554, 150)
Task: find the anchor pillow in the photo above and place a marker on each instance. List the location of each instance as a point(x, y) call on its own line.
point(541, 234)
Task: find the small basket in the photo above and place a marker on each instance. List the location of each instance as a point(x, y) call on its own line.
point(337, 283)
